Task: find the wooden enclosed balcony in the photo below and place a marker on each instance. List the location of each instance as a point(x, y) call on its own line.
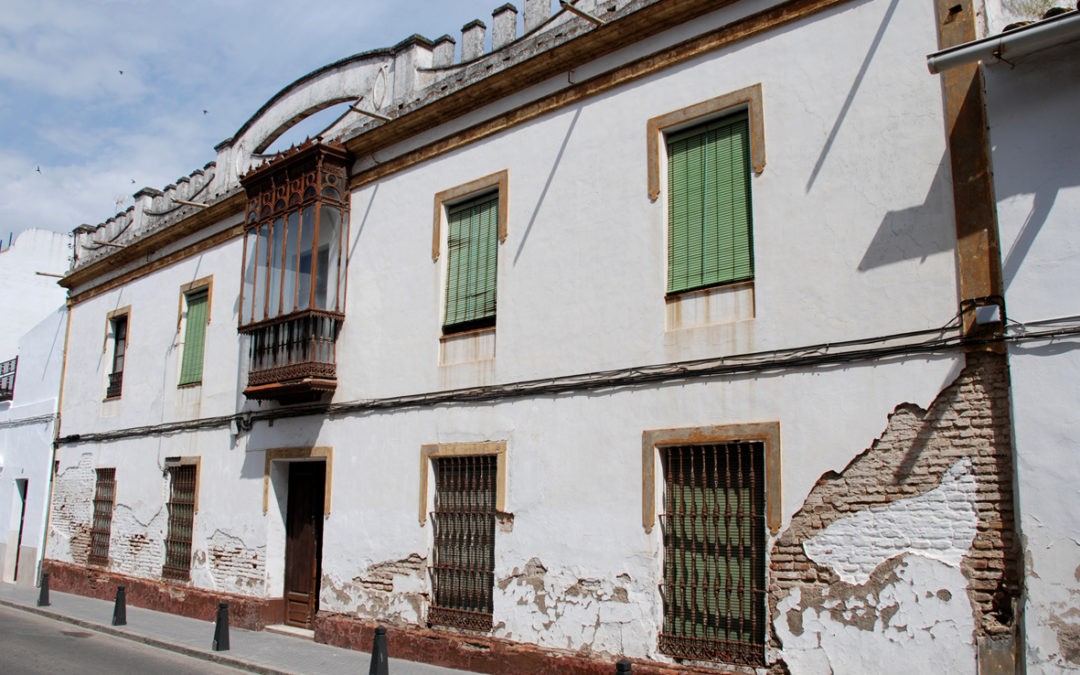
point(292, 301)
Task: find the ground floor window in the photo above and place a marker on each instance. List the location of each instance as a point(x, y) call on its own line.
point(463, 568)
point(714, 552)
point(101, 530)
point(181, 507)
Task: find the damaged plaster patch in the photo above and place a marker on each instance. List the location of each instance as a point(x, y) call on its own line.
point(885, 625)
point(394, 591)
point(940, 524)
point(588, 614)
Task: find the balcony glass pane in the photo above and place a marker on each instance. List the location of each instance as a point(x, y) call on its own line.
point(248, 291)
point(329, 252)
point(260, 277)
point(274, 290)
point(288, 297)
point(303, 280)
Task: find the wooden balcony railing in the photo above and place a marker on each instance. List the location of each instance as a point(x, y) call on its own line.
point(292, 358)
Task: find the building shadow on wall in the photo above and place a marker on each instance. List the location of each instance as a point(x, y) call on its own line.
point(916, 232)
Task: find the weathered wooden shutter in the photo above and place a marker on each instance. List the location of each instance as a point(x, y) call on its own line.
point(191, 366)
point(472, 265)
point(709, 213)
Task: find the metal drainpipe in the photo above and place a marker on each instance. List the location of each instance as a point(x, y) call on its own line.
point(1013, 44)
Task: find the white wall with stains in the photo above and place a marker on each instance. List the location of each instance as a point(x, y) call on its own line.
point(853, 238)
point(1037, 180)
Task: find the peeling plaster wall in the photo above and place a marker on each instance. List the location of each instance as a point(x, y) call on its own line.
point(574, 568)
point(228, 543)
point(910, 549)
point(1037, 184)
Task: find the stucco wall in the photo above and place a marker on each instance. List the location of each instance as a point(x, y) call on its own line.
point(1037, 179)
point(852, 239)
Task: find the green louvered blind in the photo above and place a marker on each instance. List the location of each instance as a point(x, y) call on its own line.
point(472, 268)
point(194, 337)
point(709, 218)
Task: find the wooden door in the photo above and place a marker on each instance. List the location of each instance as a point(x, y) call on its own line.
point(303, 542)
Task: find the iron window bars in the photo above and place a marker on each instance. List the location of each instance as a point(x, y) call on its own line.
point(292, 300)
point(7, 378)
point(101, 530)
point(181, 507)
point(463, 570)
point(714, 553)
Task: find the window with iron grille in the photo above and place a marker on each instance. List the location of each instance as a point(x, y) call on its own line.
point(7, 378)
point(181, 507)
point(714, 553)
point(464, 560)
point(101, 530)
point(116, 376)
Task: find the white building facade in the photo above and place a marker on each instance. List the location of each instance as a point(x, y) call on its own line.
point(32, 356)
point(649, 334)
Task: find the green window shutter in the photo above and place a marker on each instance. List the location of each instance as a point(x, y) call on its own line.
point(709, 215)
point(472, 264)
point(191, 366)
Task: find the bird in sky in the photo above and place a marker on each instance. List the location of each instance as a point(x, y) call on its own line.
point(39, 169)
point(121, 72)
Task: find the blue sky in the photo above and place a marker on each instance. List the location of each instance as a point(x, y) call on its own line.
point(78, 137)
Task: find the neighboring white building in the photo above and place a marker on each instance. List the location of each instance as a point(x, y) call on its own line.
point(648, 334)
point(1032, 115)
point(32, 344)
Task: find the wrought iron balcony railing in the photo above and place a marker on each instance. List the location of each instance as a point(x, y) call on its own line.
point(291, 358)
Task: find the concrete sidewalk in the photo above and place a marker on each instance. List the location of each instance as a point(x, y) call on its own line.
point(255, 651)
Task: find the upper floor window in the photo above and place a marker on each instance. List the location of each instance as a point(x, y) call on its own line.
point(475, 218)
point(7, 378)
point(295, 257)
point(711, 149)
point(709, 215)
point(118, 329)
point(194, 317)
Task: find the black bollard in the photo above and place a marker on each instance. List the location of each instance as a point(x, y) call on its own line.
point(221, 630)
point(119, 613)
point(623, 666)
point(380, 664)
point(43, 596)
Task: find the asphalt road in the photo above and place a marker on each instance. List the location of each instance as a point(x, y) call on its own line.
point(34, 644)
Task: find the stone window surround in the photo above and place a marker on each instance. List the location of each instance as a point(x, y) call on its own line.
point(435, 450)
point(657, 127)
point(764, 432)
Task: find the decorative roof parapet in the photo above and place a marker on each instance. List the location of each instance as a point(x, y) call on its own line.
point(380, 85)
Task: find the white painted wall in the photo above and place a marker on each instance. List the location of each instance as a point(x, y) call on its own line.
point(28, 297)
point(26, 435)
point(1037, 180)
point(853, 239)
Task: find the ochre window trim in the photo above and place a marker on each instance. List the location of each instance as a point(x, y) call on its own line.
point(118, 312)
point(764, 432)
point(197, 285)
point(324, 452)
point(499, 180)
point(435, 450)
point(750, 97)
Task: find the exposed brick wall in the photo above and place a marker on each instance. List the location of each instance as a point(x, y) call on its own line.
point(968, 423)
